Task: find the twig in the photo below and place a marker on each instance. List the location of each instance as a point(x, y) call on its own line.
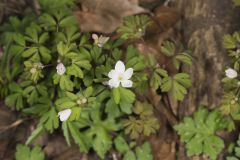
point(36, 7)
point(13, 125)
point(170, 117)
point(114, 156)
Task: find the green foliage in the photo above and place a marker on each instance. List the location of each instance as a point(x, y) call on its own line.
point(230, 101)
point(231, 42)
point(143, 123)
point(49, 65)
point(49, 5)
point(236, 2)
point(142, 152)
point(134, 27)
point(199, 133)
point(235, 154)
point(230, 105)
point(14, 26)
point(157, 77)
point(95, 131)
point(50, 120)
point(23, 152)
point(179, 56)
point(177, 85)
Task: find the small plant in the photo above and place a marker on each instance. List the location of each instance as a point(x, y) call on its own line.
point(23, 152)
point(199, 133)
point(235, 154)
point(143, 123)
point(134, 27)
point(141, 152)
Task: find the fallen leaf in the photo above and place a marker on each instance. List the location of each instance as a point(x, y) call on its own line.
point(164, 18)
point(151, 4)
point(105, 15)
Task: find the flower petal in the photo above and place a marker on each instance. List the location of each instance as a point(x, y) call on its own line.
point(64, 115)
point(61, 69)
point(128, 73)
point(113, 74)
point(103, 39)
point(114, 83)
point(94, 36)
point(127, 83)
point(120, 67)
point(231, 73)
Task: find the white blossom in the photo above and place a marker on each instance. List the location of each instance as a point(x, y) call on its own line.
point(120, 76)
point(60, 69)
point(64, 114)
point(33, 70)
point(231, 73)
point(100, 41)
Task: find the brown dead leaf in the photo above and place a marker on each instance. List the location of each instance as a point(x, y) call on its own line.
point(163, 146)
point(164, 18)
point(105, 15)
point(151, 3)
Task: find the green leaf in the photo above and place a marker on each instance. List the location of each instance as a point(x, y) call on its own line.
point(24, 153)
point(50, 120)
point(121, 145)
point(126, 107)
point(116, 95)
point(182, 58)
point(168, 48)
point(43, 38)
point(19, 39)
point(102, 143)
point(45, 54)
point(235, 153)
point(236, 2)
point(176, 85)
point(229, 42)
point(15, 99)
point(134, 26)
point(66, 83)
point(144, 152)
point(35, 134)
point(143, 123)
point(127, 96)
point(74, 70)
point(67, 21)
point(112, 109)
point(88, 92)
point(66, 132)
point(78, 137)
point(129, 156)
point(199, 133)
point(29, 52)
point(213, 146)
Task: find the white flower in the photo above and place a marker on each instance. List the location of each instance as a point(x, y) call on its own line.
point(231, 73)
point(119, 75)
point(61, 69)
point(100, 41)
point(64, 115)
point(33, 70)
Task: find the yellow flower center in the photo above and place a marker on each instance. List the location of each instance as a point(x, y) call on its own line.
point(120, 78)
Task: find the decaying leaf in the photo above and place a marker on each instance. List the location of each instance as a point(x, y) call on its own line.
point(105, 15)
point(164, 18)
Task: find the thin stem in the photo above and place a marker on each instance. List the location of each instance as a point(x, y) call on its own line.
point(168, 114)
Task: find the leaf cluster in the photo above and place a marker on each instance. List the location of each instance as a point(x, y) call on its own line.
point(24, 152)
point(142, 152)
point(143, 122)
point(199, 133)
